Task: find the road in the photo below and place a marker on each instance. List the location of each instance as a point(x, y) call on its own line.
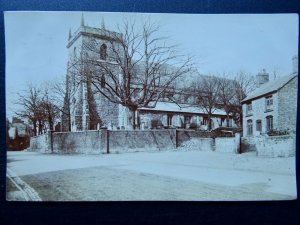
point(194, 176)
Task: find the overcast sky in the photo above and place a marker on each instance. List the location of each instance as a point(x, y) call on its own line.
point(36, 42)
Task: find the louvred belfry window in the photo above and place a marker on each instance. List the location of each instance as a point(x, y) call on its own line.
point(103, 52)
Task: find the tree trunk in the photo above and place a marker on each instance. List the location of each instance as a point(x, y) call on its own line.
point(50, 121)
point(133, 116)
point(209, 122)
point(34, 128)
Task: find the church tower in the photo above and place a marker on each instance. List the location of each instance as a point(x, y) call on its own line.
point(88, 108)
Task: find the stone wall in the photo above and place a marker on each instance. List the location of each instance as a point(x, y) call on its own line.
point(288, 106)
point(141, 140)
point(80, 142)
point(198, 144)
point(119, 141)
point(276, 146)
point(40, 143)
point(226, 144)
point(185, 135)
point(203, 141)
point(248, 144)
point(105, 141)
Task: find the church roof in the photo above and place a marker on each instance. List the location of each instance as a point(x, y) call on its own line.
point(269, 87)
point(180, 108)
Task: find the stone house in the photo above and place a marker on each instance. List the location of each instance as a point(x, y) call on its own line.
point(272, 106)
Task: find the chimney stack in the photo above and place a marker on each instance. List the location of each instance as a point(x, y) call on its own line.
point(262, 78)
point(295, 64)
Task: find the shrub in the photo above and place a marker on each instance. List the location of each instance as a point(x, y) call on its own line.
point(193, 126)
point(156, 124)
point(276, 132)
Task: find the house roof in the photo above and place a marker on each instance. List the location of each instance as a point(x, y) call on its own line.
point(180, 108)
point(269, 87)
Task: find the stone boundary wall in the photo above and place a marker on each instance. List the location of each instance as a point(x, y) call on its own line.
point(276, 146)
point(118, 141)
point(141, 140)
point(248, 144)
point(104, 141)
point(198, 144)
point(227, 144)
point(87, 142)
point(40, 143)
point(202, 142)
point(185, 135)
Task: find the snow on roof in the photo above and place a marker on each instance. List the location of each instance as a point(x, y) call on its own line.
point(270, 87)
point(180, 108)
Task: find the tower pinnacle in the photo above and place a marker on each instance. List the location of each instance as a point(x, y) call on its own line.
point(82, 20)
point(102, 24)
point(70, 35)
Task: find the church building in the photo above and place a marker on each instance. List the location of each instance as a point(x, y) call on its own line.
point(88, 109)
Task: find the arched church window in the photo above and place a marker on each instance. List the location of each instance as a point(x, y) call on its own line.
point(103, 52)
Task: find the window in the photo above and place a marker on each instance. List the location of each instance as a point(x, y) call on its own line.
point(187, 119)
point(103, 52)
point(169, 120)
point(269, 122)
point(269, 102)
point(249, 108)
point(228, 122)
point(258, 125)
point(249, 127)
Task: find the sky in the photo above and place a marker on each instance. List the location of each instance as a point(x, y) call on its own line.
point(36, 43)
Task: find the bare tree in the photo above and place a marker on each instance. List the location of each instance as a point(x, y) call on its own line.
point(207, 92)
point(243, 84)
point(226, 95)
point(61, 99)
point(136, 67)
point(49, 110)
point(30, 101)
point(38, 108)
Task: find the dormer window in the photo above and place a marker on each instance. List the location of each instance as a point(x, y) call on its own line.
point(103, 52)
point(269, 102)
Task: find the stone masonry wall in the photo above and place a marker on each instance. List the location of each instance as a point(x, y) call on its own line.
point(40, 143)
point(107, 110)
point(79, 142)
point(119, 141)
point(141, 140)
point(288, 106)
point(226, 144)
point(259, 112)
point(248, 144)
point(276, 146)
point(185, 135)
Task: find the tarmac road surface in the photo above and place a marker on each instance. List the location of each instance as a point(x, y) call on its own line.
point(146, 176)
